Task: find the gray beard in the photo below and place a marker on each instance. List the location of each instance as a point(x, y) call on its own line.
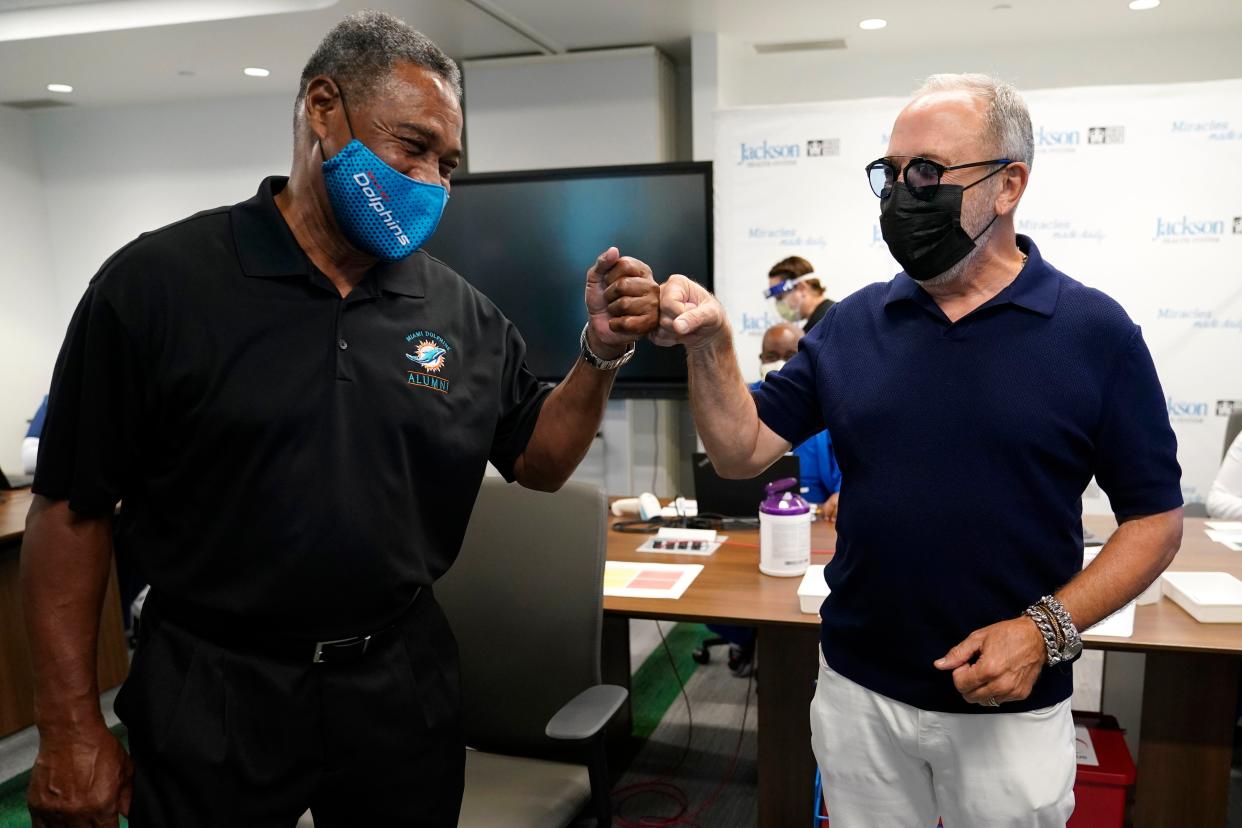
point(960, 269)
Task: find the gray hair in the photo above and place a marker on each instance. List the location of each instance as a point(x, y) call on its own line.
point(1007, 118)
point(361, 51)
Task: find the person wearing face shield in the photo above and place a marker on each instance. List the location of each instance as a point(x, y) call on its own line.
point(295, 406)
point(971, 399)
point(797, 292)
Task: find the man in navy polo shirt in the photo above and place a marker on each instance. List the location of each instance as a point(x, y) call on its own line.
point(971, 400)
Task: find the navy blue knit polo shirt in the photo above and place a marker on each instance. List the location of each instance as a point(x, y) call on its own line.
point(965, 448)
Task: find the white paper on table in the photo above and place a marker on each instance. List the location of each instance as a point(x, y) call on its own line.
point(1224, 525)
point(629, 579)
point(1118, 625)
point(704, 549)
point(1231, 540)
point(1085, 747)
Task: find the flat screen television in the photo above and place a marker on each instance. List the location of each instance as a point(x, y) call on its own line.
point(525, 239)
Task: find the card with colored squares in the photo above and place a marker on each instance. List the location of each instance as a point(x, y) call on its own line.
point(623, 579)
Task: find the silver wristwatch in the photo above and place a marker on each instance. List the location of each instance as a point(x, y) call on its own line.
point(602, 364)
point(1062, 642)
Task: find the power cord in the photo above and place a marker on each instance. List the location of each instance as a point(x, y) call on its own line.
point(661, 786)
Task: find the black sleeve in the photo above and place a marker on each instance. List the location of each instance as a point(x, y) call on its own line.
point(521, 399)
point(90, 437)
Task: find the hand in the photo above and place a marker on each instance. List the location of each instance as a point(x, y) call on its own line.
point(829, 509)
point(81, 779)
point(689, 315)
point(623, 303)
point(1007, 658)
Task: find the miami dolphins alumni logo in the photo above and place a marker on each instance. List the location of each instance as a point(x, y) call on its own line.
point(429, 353)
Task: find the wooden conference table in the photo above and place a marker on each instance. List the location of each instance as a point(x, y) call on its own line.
point(1190, 682)
point(16, 683)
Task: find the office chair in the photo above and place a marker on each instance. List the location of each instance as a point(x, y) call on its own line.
point(741, 643)
point(525, 600)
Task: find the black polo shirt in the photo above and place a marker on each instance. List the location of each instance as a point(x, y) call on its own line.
point(284, 457)
point(964, 449)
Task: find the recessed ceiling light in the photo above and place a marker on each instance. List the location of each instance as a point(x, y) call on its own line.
point(256, 72)
point(53, 18)
point(1143, 5)
point(59, 87)
point(872, 23)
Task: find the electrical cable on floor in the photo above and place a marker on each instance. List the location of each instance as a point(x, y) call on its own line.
point(661, 786)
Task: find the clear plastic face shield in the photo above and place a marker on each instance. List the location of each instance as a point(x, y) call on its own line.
point(782, 293)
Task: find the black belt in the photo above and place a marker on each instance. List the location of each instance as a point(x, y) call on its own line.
point(229, 636)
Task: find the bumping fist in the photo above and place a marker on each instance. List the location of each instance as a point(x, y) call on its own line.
point(623, 303)
point(689, 314)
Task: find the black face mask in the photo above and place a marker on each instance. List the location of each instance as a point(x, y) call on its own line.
point(926, 237)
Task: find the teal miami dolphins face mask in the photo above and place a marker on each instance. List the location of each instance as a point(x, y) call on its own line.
point(381, 211)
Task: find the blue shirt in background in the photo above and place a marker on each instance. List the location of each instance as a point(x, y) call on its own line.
point(968, 446)
point(817, 465)
point(36, 425)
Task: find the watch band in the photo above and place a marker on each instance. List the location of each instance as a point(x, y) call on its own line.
point(599, 363)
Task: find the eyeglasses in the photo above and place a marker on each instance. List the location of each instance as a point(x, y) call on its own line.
point(921, 175)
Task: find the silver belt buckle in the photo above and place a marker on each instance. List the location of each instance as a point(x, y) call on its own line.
point(319, 645)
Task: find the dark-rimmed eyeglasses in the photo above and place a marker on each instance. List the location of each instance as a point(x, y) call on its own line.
point(921, 175)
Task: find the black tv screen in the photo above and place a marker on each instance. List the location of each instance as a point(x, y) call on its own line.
point(526, 239)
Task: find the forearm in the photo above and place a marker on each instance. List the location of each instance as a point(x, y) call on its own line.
point(65, 564)
point(568, 422)
point(1134, 556)
point(724, 412)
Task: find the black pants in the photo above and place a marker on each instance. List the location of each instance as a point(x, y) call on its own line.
point(225, 737)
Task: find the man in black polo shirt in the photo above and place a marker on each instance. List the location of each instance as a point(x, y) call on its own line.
point(295, 410)
point(971, 399)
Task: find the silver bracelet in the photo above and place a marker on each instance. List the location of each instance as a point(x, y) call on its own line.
point(1052, 651)
point(1061, 639)
point(1072, 638)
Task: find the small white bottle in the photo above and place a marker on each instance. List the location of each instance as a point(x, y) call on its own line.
point(784, 531)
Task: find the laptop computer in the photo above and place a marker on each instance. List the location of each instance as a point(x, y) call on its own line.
point(736, 498)
point(14, 481)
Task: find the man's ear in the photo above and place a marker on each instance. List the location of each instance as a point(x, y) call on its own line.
point(1013, 185)
point(320, 103)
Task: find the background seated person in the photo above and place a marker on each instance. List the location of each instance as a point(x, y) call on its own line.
point(30, 446)
point(1224, 500)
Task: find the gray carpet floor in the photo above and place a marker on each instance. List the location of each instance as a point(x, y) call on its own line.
point(717, 700)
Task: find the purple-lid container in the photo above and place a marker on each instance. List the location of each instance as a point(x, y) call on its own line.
point(781, 501)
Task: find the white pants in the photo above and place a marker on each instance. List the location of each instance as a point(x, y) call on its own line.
point(889, 765)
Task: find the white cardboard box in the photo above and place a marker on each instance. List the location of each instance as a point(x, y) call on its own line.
point(813, 590)
point(1211, 597)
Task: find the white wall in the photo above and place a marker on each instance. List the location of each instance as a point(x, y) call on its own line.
point(121, 171)
point(729, 73)
point(30, 323)
point(613, 106)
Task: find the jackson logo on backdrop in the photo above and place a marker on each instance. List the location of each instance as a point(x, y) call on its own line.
point(1106, 135)
point(767, 153)
point(1188, 228)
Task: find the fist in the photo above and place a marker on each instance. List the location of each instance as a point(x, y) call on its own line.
point(689, 315)
point(623, 303)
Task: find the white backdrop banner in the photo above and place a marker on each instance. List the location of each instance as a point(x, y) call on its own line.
point(1135, 190)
